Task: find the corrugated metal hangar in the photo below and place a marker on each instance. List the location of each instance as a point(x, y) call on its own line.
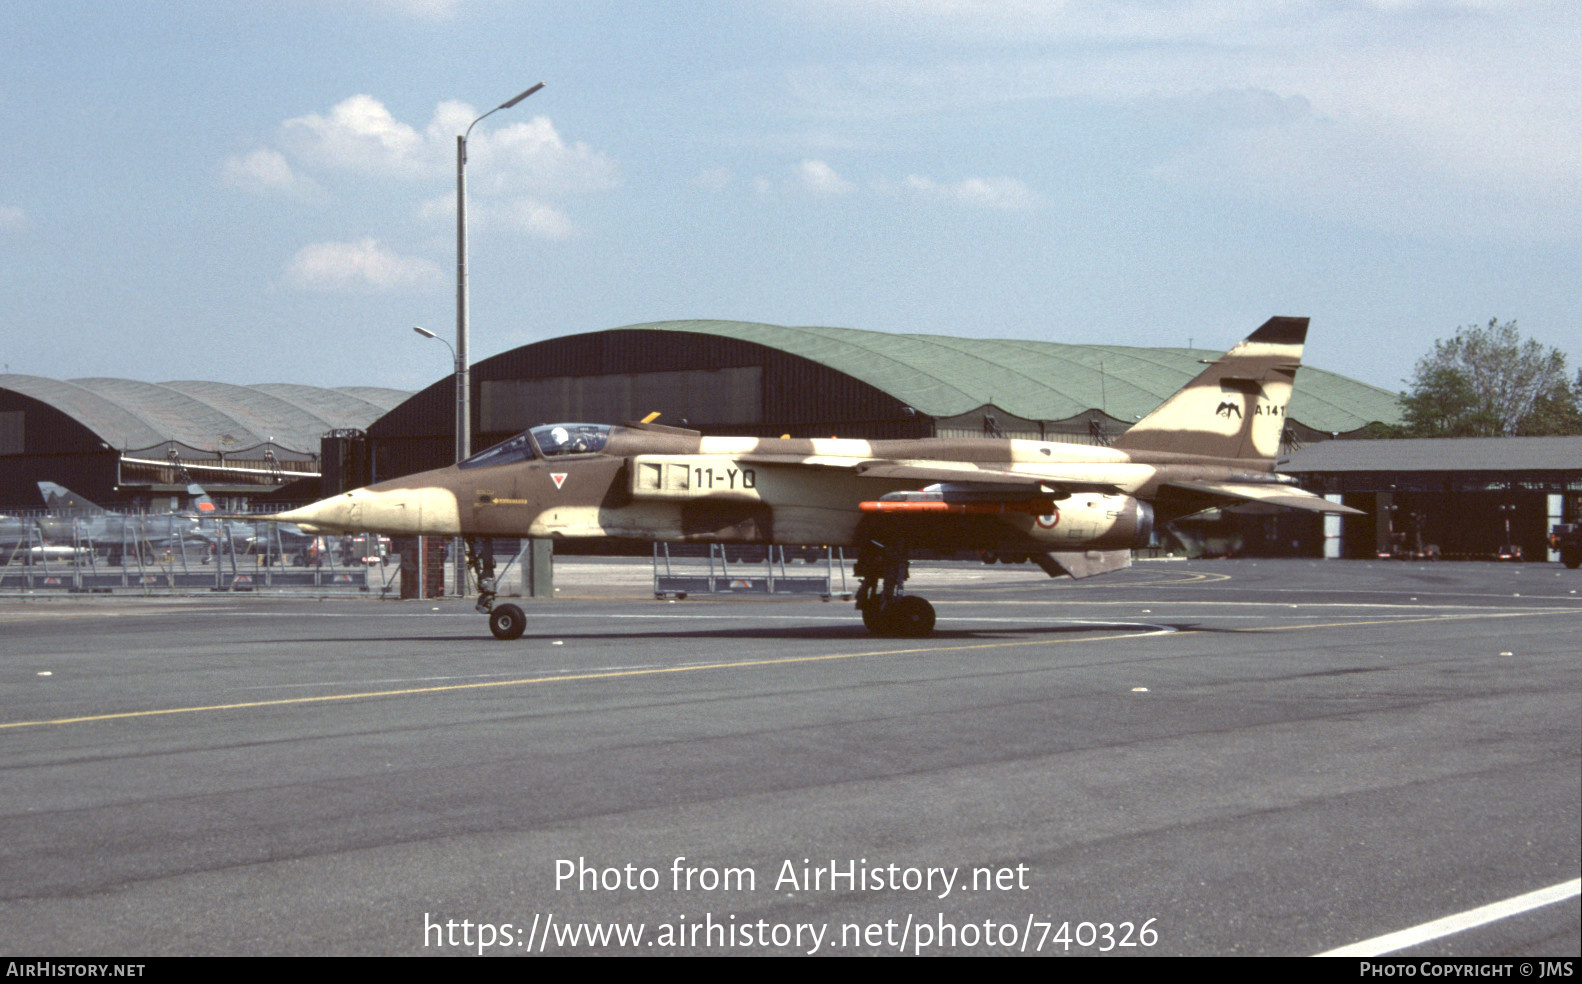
point(122, 441)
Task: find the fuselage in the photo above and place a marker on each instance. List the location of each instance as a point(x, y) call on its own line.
point(663, 484)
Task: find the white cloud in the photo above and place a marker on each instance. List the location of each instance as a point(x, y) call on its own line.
point(543, 221)
point(514, 175)
point(821, 179)
point(522, 214)
point(534, 155)
point(266, 171)
point(12, 219)
point(1132, 21)
point(1002, 193)
point(438, 209)
point(1005, 194)
point(1456, 116)
point(513, 172)
point(361, 136)
point(816, 177)
point(361, 266)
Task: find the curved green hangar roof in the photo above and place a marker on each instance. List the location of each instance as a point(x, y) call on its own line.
point(944, 376)
point(207, 416)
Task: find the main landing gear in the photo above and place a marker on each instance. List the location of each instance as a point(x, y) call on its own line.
point(507, 622)
point(886, 610)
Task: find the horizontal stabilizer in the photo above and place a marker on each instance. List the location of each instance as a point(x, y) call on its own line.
point(1285, 496)
point(1079, 564)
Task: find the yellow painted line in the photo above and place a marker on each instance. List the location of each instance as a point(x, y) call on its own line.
point(16, 615)
point(527, 681)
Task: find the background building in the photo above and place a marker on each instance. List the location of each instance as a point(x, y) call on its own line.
point(1456, 498)
point(122, 442)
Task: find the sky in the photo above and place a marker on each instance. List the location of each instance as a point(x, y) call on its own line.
point(264, 190)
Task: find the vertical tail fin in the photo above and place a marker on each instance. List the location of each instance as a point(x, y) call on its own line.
point(200, 501)
point(1236, 407)
point(58, 498)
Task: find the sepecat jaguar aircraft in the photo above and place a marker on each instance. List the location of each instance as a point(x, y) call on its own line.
point(1072, 509)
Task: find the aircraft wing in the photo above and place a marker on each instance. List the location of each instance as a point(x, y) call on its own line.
point(1056, 487)
point(1272, 494)
point(958, 474)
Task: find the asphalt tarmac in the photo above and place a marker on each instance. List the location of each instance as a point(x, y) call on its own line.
point(1252, 757)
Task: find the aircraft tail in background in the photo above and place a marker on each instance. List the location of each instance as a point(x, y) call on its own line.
point(58, 498)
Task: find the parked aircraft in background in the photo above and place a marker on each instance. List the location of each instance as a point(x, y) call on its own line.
point(1072, 509)
point(35, 539)
point(74, 520)
point(251, 534)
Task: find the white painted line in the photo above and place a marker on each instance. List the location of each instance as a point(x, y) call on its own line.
point(1449, 925)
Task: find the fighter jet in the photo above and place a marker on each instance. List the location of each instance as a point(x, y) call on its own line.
point(74, 519)
point(1074, 510)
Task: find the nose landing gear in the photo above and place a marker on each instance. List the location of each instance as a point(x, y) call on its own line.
point(506, 622)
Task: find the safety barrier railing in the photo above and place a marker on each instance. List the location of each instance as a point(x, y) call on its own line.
point(154, 554)
point(684, 569)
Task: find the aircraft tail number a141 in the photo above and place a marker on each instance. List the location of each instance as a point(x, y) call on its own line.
point(1074, 509)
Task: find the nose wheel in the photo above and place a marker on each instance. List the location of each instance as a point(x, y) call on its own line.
point(886, 611)
point(507, 622)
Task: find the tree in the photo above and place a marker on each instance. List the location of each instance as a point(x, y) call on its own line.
point(1556, 412)
point(1490, 382)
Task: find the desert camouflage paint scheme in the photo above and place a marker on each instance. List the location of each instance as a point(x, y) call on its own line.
point(1073, 509)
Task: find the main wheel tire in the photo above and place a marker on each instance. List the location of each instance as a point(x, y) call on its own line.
point(911, 616)
point(507, 622)
point(874, 619)
point(1571, 557)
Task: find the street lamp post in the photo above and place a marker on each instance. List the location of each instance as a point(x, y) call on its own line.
point(463, 366)
point(454, 360)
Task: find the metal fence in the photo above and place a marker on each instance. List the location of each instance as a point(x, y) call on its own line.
point(683, 569)
point(146, 554)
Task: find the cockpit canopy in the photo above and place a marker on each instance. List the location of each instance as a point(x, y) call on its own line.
point(547, 441)
point(558, 439)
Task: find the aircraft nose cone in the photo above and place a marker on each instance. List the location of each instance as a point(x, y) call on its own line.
point(324, 516)
point(430, 511)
